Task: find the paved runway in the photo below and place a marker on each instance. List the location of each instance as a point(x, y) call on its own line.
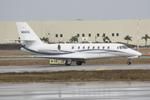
point(76, 91)
point(52, 68)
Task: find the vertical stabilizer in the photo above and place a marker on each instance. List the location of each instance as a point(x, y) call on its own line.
point(27, 35)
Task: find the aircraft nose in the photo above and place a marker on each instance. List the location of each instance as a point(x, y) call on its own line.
point(138, 53)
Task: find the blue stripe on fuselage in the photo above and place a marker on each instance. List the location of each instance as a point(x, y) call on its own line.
point(67, 52)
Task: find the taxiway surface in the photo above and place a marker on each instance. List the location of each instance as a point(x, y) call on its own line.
point(76, 91)
point(53, 68)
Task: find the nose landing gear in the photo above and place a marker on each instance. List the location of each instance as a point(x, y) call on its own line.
point(79, 62)
point(129, 62)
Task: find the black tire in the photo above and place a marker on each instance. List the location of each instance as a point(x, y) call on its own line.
point(79, 62)
point(68, 62)
point(129, 63)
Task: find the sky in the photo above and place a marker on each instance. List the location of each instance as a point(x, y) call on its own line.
point(28, 10)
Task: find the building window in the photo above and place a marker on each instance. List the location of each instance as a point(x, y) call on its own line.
point(113, 34)
point(61, 35)
point(78, 35)
point(108, 47)
point(97, 34)
point(56, 35)
point(83, 35)
point(98, 47)
point(88, 47)
point(117, 34)
point(103, 47)
point(103, 34)
point(72, 47)
point(89, 34)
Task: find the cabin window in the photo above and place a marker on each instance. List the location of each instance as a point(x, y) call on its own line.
point(103, 47)
point(72, 47)
point(78, 47)
point(88, 47)
point(108, 47)
point(78, 35)
point(98, 47)
point(93, 47)
point(83, 47)
point(97, 34)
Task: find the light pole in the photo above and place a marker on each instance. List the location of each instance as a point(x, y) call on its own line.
point(48, 35)
point(138, 31)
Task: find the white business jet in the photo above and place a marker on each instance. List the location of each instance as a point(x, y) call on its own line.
point(77, 52)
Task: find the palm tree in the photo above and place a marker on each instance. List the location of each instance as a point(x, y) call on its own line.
point(45, 39)
point(74, 39)
point(128, 38)
point(19, 40)
point(146, 37)
point(106, 39)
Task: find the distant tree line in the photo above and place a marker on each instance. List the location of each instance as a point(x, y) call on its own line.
point(106, 39)
point(45, 39)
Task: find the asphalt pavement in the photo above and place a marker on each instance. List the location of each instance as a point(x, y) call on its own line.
point(54, 68)
point(76, 91)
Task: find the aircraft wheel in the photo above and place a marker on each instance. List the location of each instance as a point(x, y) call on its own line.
point(79, 62)
point(129, 62)
point(68, 62)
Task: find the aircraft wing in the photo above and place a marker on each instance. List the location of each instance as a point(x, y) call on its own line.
point(76, 55)
point(39, 56)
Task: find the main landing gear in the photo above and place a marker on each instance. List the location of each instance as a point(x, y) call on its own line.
point(79, 62)
point(68, 62)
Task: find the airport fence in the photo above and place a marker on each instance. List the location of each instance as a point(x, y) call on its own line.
point(10, 46)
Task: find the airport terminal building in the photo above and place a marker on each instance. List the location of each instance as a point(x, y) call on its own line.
point(131, 31)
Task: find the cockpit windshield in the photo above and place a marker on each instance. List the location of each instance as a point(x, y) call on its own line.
point(122, 47)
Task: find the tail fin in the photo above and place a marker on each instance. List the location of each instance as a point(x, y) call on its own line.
point(27, 35)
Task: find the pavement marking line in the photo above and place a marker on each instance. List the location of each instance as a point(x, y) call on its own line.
point(102, 69)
